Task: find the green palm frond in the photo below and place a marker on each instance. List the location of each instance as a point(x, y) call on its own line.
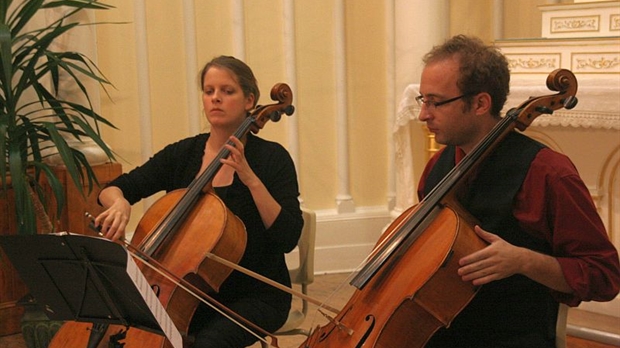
point(29, 128)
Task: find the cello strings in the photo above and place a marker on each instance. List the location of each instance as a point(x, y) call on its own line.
point(340, 287)
point(200, 298)
point(146, 260)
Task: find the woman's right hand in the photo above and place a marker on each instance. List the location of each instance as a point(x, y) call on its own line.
point(113, 221)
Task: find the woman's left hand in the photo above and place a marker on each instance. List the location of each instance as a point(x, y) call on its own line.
point(268, 207)
point(237, 161)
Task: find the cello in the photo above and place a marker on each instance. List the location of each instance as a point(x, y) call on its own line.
point(408, 287)
point(176, 267)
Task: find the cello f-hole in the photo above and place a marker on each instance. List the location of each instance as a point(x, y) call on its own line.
point(369, 319)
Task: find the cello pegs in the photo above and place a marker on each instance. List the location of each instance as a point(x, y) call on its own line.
point(275, 116)
point(544, 110)
point(570, 102)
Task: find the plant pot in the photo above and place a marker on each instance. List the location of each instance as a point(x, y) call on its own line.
point(11, 286)
point(12, 289)
point(37, 328)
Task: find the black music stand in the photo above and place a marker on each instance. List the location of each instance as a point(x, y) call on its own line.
point(88, 279)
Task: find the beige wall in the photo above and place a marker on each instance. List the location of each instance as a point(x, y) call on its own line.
point(156, 100)
point(316, 89)
point(472, 17)
point(314, 97)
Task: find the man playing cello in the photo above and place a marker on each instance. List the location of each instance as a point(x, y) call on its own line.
point(547, 244)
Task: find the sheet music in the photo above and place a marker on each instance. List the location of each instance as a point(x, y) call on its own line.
point(162, 317)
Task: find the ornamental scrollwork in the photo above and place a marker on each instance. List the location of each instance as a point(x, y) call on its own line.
point(575, 24)
point(614, 22)
point(532, 63)
point(600, 64)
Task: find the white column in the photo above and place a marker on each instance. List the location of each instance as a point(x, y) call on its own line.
point(191, 62)
point(238, 19)
point(498, 19)
point(344, 201)
point(419, 25)
point(390, 60)
point(144, 83)
point(144, 80)
point(290, 75)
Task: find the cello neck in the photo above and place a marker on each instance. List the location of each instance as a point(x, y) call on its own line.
point(195, 190)
point(203, 181)
point(413, 227)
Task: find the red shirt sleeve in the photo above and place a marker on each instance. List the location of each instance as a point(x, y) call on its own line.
point(554, 204)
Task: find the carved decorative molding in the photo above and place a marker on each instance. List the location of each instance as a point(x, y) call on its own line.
point(602, 62)
point(614, 22)
point(533, 63)
point(538, 62)
point(584, 19)
point(575, 24)
point(581, 55)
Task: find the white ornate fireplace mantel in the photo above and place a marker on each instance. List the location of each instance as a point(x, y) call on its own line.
point(584, 38)
point(595, 63)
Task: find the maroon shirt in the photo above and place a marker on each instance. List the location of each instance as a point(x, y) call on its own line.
point(555, 205)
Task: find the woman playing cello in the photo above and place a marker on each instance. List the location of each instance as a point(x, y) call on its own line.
point(257, 182)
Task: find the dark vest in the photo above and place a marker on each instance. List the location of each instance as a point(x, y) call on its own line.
point(516, 311)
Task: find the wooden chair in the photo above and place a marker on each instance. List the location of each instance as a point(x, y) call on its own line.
point(560, 328)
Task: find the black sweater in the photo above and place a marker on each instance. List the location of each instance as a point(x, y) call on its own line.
point(177, 165)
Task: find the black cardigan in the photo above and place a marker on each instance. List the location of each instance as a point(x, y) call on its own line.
point(177, 165)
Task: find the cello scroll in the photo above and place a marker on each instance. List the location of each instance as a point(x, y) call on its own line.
point(561, 80)
point(280, 92)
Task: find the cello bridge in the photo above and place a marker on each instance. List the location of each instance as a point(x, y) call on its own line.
point(337, 323)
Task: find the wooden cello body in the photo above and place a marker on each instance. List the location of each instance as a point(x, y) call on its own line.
point(412, 301)
point(174, 237)
point(409, 287)
point(226, 238)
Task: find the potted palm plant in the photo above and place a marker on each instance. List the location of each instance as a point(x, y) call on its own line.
point(35, 119)
point(39, 122)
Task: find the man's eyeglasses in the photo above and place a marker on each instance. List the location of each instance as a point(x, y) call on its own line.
point(432, 104)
